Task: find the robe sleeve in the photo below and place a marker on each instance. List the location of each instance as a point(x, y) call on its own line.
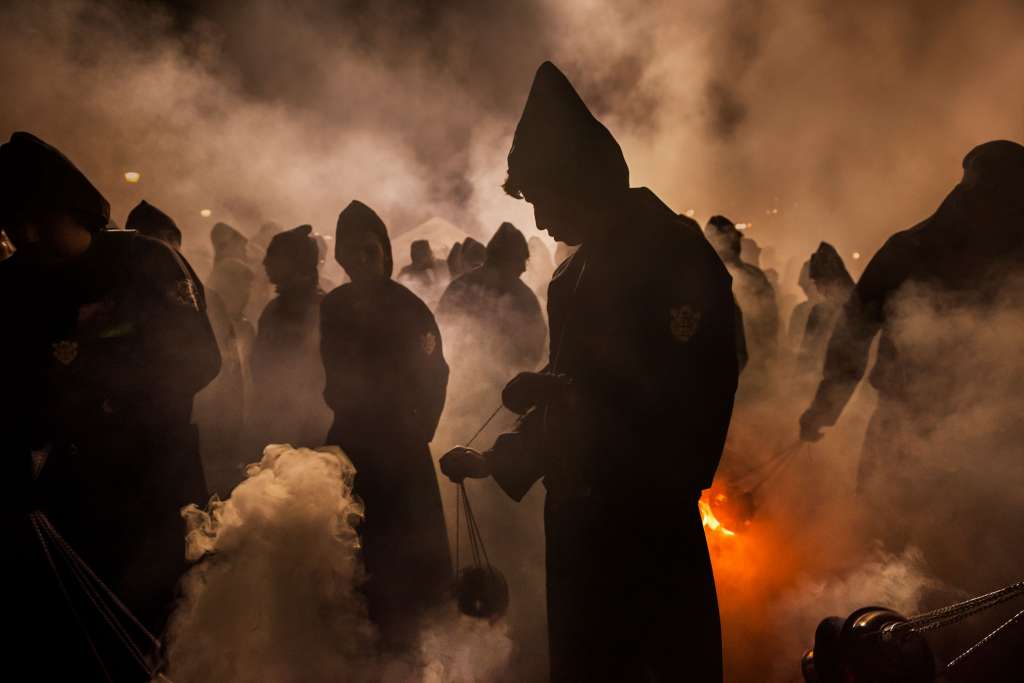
point(859, 321)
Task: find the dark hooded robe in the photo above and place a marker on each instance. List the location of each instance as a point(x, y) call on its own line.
point(798, 318)
point(425, 276)
point(150, 221)
point(103, 357)
point(644, 328)
point(287, 375)
point(833, 283)
point(495, 311)
point(961, 267)
point(386, 383)
point(754, 293)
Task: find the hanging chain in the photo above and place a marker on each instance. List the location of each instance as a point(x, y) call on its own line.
point(984, 641)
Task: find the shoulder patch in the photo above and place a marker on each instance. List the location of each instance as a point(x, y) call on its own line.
point(683, 322)
point(184, 293)
point(428, 342)
point(65, 351)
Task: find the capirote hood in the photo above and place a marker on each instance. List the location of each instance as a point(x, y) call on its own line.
point(559, 143)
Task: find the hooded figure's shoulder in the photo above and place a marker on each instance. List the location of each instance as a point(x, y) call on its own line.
point(892, 263)
point(405, 300)
point(671, 244)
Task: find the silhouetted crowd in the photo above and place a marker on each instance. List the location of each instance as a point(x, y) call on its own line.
point(134, 386)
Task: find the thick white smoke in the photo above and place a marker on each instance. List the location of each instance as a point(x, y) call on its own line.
point(275, 594)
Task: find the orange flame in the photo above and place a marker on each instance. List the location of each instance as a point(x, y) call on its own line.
point(711, 522)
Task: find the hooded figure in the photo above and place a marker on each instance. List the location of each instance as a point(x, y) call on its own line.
point(386, 383)
point(148, 220)
point(494, 311)
point(454, 260)
point(833, 283)
point(106, 342)
point(798, 318)
point(473, 254)
point(221, 408)
point(227, 242)
point(754, 293)
point(286, 371)
point(627, 424)
point(424, 275)
point(933, 294)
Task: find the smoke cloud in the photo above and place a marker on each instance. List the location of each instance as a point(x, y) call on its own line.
point(806, 120)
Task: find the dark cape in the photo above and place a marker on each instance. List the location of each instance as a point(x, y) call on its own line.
point(103, 363)
point(386, 383)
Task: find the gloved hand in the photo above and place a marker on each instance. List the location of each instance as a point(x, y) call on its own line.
point(460, 463)
point(531, 389)
point(810, 427)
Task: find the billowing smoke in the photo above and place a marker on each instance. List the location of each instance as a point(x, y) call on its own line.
point(275, 594)
point(804, 119)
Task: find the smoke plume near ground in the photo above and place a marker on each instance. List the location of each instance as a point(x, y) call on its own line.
point(275, 594)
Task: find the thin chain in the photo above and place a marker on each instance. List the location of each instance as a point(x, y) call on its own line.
point(984, 641)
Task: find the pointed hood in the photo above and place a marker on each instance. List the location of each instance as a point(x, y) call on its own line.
point(559, 143)
point(507, 244)
point(827, 268)
point(358, 217)
point(151, 221)
point(227, 242)
point(35, 176)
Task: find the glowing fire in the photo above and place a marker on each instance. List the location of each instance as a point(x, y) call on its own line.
point(711, 522)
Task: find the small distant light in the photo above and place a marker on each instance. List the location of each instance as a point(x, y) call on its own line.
point(132, 176)
point(856, 255)
point(205, 213)
point(742, 226)
point(691, 213)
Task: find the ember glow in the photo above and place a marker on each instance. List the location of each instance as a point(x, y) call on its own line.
point(132, 176)
point(711, 522)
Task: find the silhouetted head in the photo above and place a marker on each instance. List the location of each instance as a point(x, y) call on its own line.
point(805, 281)
point(232, 280)
point(507, 251)
point(227, 242)
point(151, 221)
point(361, 244)
point(455, 266)
point(993, 178)
point(48, 208)
point(421, 254)
point(565, 162)
point(291, 258)
point(724, 237)
point(473, 254)
point(828, 272)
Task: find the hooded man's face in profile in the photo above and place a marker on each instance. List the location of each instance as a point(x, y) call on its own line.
point(561, 215)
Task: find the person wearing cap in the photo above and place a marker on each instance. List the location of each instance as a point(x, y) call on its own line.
point(628, 421)
point(833, 284)
point(493, 309)
point(286, 370)
point(386, 383)
point(107, 341)
point(754, 293)
point(148, 220)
